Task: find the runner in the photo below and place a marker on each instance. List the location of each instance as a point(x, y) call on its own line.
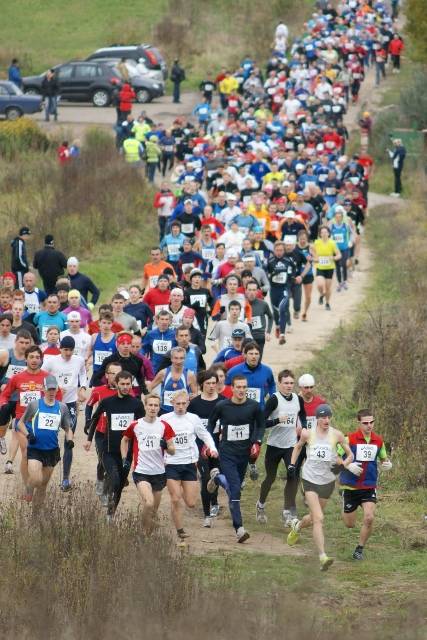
point(120, 411)
point(181, 470)
point(223, 329)
point(261, 321)
point(241, 432)
point(306, 385)
point(303, 246)
point(152, 271)
point(103, 343)
point(287, 415)
point(125, 357)
point(174, 378)
point(81, 338)
point(359, 480)
point(40, 425)
point(149, 438)
point(325, 254)
point(202, 405)
point(52, 316)
point(318, 478)
point(259, 376)
point(158, 342)
point(97, 394)
point(70, 372)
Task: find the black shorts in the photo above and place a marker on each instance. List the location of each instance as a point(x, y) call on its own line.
point(48, 457)
point(323, 490)
point(325, 273)
point(183, 472)
point(308, 279)
point(354, 498)
point(157, 481)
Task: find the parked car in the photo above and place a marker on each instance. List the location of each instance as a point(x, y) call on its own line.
point(142, 53)
point(146, 89)
point(14, 104)
point(91, 81)
point(136, 69)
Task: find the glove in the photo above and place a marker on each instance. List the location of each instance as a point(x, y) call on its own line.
point(31, 438)
point(336, 468)
point(204, 452)
point(90, 306)
point(355, 468)
point(386, 465)
point(254, 452)
point(126, 465)
point(292, 472)
point(69, 444)
point(86, 428)
point(163, 444)
point(222, 309)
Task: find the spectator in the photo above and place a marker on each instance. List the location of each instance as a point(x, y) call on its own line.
point(177, 76)
point(20, 263)
point(126, 97)
point(14, 73)
point(50, 91)
point(397, 156)
point(50, 263)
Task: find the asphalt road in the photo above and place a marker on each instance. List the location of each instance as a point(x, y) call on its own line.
point(79, 116)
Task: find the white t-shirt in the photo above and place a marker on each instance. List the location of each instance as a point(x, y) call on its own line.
point(223, 329)
point(147, 452)
point(187, 428)
point(70, 374)
point(82, 340)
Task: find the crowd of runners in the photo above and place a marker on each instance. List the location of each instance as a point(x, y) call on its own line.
point(261, 204)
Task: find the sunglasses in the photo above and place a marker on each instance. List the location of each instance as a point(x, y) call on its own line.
point(309, 387)
point(368, 422)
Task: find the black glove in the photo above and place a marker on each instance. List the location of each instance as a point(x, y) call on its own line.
point(292, 472)
point(195, 305)
point(336, 469)
point(222, 309)
point(69, 444)
point(86, 428)
point(126, 465)
point(31, 438)
point(163, 444)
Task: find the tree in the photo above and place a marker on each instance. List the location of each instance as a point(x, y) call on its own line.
point(416, 28)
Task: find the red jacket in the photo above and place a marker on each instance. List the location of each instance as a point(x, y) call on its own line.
point(396, 47)
point(126, 95)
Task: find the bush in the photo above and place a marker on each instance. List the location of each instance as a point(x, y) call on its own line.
point(21, 136)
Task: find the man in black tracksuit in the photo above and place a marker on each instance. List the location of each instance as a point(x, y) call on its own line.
point(50, 264)
point(19, 264)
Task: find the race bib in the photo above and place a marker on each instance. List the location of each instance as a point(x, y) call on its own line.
point(25, 397)
point(203, 111)
point(291, 421)
point(65, 380)
point(160, 307)
point(50, 421)
point(187, 228)
point(153, 281)
point(121, 421)
point(280, 278)
point(32, 307)
point(330, 191)
point(311, 422)
point(291, 239)
point(339, 237)
point(208, 254)
point(181, 440)
point(44, 332)
point(160, 347)
point(256, 322)
point(237, 432)
point(99, 356)
point(325, 261)
point(201, 299)
point(168, 397)
point(366, 452)
point(322, 452)
point(173, 249)
point(252, 393)
point(13, 369)
point(149, 442)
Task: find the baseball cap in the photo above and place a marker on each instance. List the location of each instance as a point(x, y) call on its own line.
point(73, 315)
point(323, 411)
point(306, 380)
point(50, 382)
point(72, 262)
point(238, 333)
point(24, 231)
point(188, 200)
point(289, 214)
point(195, 272)
point(48, 239)
point(67, 342)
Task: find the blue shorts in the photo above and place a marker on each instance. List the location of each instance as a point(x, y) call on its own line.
point(182, 472)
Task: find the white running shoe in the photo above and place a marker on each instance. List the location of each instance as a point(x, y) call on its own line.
point(214, 512)
point(260, 514)
point(287, 517)
point(3, 446)
point(207, 523)
point(211, 485)
point(242, 534)
point(99, 487)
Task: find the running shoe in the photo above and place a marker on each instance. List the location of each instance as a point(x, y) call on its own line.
point(358, 553)
point(339, 287)
point(290, 330)
point(325, 563)
point(294, 534)
point(8, 467)
point(104, 500)
point(3, 446)
point(182, 535)
point(296, 315)
point(214, 512)
point(242, 535)
point(327, 306)
point(321, 298)
point(212, 485)
point(99, 487)
point(207, 523)
point(282, 339)
point(66, 485)
point(253, 472)
point(345, 285)
point(260, 514)
point(287, 517)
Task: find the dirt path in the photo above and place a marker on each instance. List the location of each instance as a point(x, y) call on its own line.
point(302, 343)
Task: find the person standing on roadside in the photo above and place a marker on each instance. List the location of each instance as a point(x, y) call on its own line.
point(177, 76)
point(82, 282)
point(50, 92)
point(397, 156)
point(50, 264)
point(126, 96)
point(395, 49)
point(20, 263)
point(14, 73)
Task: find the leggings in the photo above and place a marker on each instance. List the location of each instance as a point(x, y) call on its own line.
point(208, 499)
point(342, 266)
point(234, 468)
point(68, 453)
point(99, 445)
point(167, 159)
point(115, 477)
point(273, 456)
point(280, 302)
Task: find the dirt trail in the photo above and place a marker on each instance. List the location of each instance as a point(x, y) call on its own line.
point(302, 343)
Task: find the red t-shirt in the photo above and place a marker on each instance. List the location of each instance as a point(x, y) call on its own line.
point(93, 327)
point(156, 298)
point(28, 386)
point(98, 394)
point(310, 410)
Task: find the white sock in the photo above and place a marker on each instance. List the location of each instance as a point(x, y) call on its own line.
point(261, 505)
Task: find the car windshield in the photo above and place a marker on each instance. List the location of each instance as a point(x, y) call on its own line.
point(13, 89)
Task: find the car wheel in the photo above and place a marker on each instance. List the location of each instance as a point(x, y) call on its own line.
point(143, 95)
point(101, 98)
point(13, 113)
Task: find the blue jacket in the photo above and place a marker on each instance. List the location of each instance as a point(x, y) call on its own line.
point(14, 75)
point(260, 380)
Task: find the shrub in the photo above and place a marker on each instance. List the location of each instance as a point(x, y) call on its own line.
point(21, 136)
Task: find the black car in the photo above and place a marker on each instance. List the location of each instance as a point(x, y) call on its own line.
point(14, 104)
point(91, 82)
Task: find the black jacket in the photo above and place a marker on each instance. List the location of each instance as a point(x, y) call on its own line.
point(50, 87)
point(177, 73)
point(50, 263)
point(19, 255)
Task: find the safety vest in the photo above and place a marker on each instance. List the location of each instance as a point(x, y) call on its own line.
point(131, 150)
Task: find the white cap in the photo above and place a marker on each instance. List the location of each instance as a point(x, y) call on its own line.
point(72, 262)
point(231, 196)
point(289, 214)
point(73, 315)
point(306, 380)
point(124, 293)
